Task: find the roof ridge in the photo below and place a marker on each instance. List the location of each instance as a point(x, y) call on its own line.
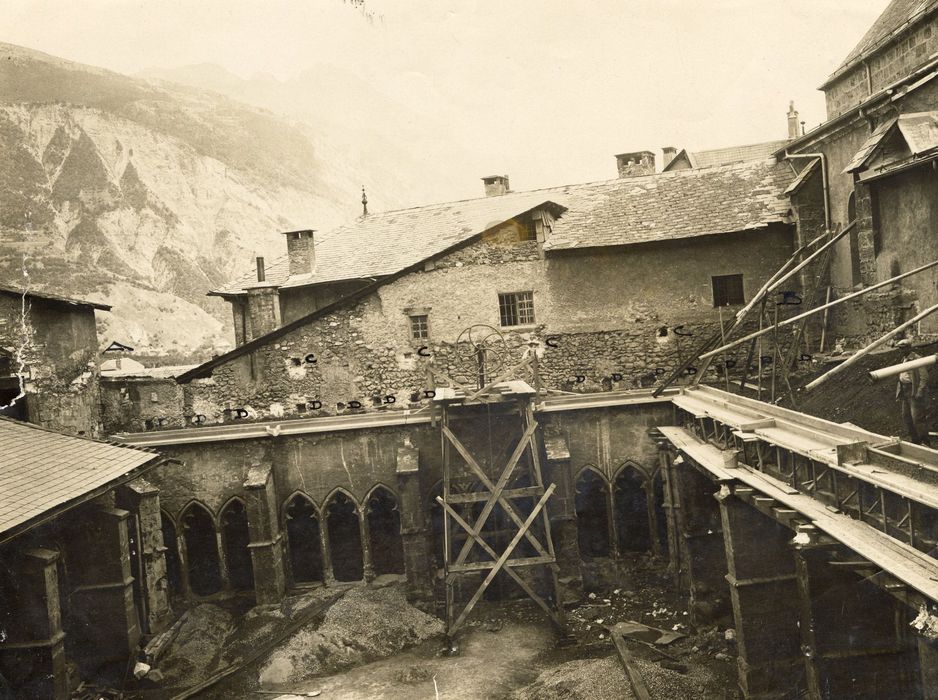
point(111, 443)
point(878, 36)
point(743, 145)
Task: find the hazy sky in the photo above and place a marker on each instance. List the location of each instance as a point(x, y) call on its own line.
point(545, 90)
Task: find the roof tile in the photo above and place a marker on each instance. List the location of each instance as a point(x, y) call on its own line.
point(42, 469)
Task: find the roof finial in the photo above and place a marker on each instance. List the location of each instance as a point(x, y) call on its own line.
point(364, 202)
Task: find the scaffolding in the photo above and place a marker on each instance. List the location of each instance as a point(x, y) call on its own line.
point(474, 497)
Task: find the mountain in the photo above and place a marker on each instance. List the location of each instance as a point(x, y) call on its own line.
point(145, 195)
point(402, 146)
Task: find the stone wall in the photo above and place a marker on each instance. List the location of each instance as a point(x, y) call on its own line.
point(133, 404)
point(58, 346)
point(356, 462)
point(603, 318)
point(897, 59)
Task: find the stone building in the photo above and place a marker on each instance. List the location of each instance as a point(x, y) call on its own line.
point(606, 283)
point(48, 360)
point(83, 574)
point(309, 454)
point(136, 398)
point(874, 160)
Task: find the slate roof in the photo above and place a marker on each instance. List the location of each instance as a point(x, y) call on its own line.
point(381, 244)
point(678, 204)
point(919, 131)
point(803, 176)
point(727, 156)
point(664, 206)
point(42, 471)
point(673, 205)
point(56, 298)
point(894, 19)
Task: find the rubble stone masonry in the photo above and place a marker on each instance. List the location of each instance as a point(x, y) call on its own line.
point(57, 346)
point(604, 318)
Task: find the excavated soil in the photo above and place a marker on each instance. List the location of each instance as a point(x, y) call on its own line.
point(364, 625)
point(852, 397)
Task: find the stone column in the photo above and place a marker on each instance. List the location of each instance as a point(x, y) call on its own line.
point(364, 533)
point(764, 593)
point(866, 233)
point(143, 499)
point(414, 536)
point(855, 635)
point(672, 512)
point(32, 647)
point(105, 626)
point(562, 513)
point(328, 575)
point(703, 555)
point(266, 544)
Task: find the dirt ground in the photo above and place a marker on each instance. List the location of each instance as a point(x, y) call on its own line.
point(507, 651)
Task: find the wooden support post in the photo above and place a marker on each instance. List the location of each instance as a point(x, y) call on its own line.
point(828, 305)
point(827, 301)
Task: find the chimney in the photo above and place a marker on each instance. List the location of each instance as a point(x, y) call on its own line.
point(301, 251)
point(635, 164)
point(261, 276)
point(792, 121)
point(668, 155)
point(496, 185)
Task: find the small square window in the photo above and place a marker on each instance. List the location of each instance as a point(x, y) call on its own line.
point(728, 290)
point(516, 308)
point(420, 327)
point(529, 229)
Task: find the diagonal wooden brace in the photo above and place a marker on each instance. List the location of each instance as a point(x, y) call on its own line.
point(510, 571)
point(481, 475)
point(500, 562)
point(496, 494)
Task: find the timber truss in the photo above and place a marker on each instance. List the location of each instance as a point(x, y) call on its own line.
point(475, 499)
point(874, 498)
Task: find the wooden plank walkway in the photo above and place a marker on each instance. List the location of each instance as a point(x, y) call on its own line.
point(910, 566)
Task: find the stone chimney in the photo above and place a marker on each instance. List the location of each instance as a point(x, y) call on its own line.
point(669, 152)
point(263, 307)
point(635, 164)
point(793, 132)
point(301, 252)
point(496, 185)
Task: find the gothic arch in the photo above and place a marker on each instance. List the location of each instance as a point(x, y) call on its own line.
point(382, 511)
point(236, 536)
point(632, 506)
point(381, 485)
point(173, 561)
point(303, 525)
point(202, 561)
point(593, 504)
point(342, 513)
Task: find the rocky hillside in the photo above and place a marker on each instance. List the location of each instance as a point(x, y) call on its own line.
point(145, 196)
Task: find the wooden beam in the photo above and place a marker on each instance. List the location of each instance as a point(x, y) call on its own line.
point(491, 552)
point(639, 689)
point(811, 312)
point(856, 357)
point(500, 562)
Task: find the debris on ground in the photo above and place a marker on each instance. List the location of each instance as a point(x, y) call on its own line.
point(926, 623)
point(194, 652)
point(582, 679)
point(366, 624)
